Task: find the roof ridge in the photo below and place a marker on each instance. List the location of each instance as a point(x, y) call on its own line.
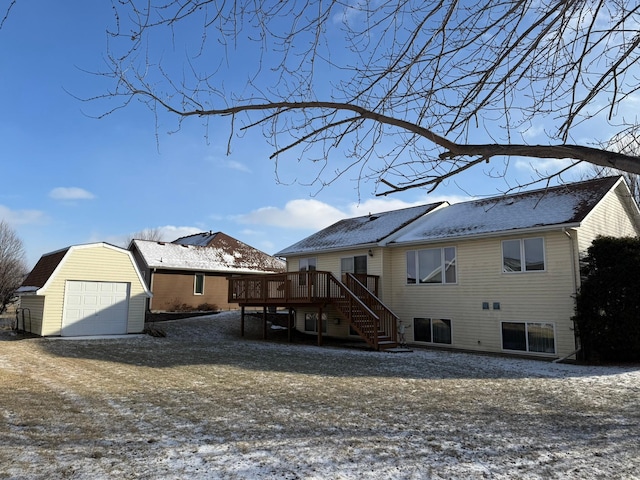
point(563, 186)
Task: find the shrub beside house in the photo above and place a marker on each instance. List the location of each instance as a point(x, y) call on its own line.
point(608, 304)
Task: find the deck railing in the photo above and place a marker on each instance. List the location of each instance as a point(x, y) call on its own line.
point(307, 287)
point(292, 287)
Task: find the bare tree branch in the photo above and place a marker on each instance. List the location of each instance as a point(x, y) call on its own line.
point(405, 93)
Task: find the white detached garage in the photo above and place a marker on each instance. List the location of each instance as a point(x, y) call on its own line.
point(93, 289)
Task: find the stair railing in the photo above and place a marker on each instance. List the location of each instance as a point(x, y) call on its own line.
point(388, 319)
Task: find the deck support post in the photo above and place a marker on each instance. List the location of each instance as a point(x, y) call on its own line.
point(242, 321)
point(319, 326)
point(289, 325)
point(264, 323)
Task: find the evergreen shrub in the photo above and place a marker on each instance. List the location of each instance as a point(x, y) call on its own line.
point(608, 304)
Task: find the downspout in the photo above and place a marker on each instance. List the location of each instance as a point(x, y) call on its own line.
point(574, 272)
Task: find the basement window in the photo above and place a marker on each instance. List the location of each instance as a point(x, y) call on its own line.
point(528, 337)
point(432, 330)
point(311, 322)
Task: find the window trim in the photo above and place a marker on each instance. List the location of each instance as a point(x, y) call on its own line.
point(195, 284)
point(528, 350)
point(523, 257)
point(443, 266)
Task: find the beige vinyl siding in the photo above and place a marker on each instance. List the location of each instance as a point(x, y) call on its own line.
point(32, 308)
point(93, 263)
point(330, 262)
point(524, 297)
point(611, 217)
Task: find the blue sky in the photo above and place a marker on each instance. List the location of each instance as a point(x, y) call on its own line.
point(72, 179)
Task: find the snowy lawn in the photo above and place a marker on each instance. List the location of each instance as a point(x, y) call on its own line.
point(205, 403)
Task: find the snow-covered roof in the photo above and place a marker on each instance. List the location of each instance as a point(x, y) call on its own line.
point(565, 205)
point(359, 231)
point(232, 257)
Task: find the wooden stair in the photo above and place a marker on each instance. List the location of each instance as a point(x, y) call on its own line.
point(366, 314)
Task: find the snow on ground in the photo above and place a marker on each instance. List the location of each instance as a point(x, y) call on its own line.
point(205, 403)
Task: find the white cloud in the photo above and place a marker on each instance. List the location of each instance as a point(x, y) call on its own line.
point(169, 233)
point(549, 166)
point(231, 164)
point(532, 132)
point(20, 217)
point(300, 214)
point(70, 193)
point(241, 167)
point(310, 214)
point(378, 205)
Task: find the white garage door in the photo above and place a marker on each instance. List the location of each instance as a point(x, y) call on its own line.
point(95, 308)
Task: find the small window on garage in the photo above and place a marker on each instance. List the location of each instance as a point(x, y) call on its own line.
point(198, 284)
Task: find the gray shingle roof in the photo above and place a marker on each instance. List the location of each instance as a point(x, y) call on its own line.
point(353, 232)
point(552, 207)
point(563, 205)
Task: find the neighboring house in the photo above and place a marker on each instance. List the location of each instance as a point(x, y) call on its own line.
point(192, 271)
point(93, 289)
point(491, 275)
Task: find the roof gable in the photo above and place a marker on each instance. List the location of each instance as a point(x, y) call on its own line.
point(365, 230)
point(563, 205)
point(45, 269)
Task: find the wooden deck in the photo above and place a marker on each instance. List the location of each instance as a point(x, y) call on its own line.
point(354, 298)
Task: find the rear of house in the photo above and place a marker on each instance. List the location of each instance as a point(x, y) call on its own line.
point(496, 275)
point(93, 289)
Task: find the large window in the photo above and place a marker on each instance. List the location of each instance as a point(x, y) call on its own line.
point(311, 322)
point(432, 330)
point(198, 284)
point(528, 337)
point(523, 255)
point(432, 265)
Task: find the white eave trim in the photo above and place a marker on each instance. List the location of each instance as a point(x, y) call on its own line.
point(334, 249)
point(501, 233)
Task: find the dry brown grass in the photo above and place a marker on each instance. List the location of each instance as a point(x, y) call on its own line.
point(203, 403)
